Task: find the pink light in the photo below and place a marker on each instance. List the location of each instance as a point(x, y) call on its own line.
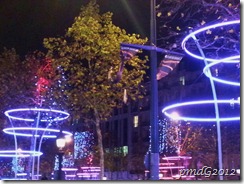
point(177, 158)
point(87, 174)
point(166, 163)
point(176, 176)
point(90, 167)
point(172, 167)
point(167, 178)
point(183, 176)
point(91, 170)
point(70, 175)
point(190, 176)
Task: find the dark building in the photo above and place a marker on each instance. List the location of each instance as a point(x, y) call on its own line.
point(127, 131)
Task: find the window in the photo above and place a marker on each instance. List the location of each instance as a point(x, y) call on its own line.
point(136, 121)
point(125, 150)
point(182, 80)
point(216, 72)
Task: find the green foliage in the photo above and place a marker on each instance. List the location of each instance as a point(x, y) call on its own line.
point(83, 59)
point(11, 78)
point(199, 139)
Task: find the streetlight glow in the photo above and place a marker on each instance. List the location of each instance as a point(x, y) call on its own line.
point(60, 142)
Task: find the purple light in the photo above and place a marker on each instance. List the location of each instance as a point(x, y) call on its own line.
point(188, 176)
point(183, 176)
point(167, 178)
point(206, 71)
point(177, 158)
point(70, 175)
point(21, 174)
point(25, 110)
point(11, 131)
point(69, 169)
point(90, 167)
point(19, 153)
point(13, 179)
point(183, 44)
point(87, 174)
point(167, 163)
point(172, 167)
point(170, 107)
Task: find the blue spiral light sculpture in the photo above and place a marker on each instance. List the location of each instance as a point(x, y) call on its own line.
point(195, 38)
point(35, 123)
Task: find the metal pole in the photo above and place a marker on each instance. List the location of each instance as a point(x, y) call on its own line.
point(154, 156)
point(219, 141)
point(60, 160)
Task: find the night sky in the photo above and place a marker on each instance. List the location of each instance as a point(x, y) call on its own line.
point(25, 23)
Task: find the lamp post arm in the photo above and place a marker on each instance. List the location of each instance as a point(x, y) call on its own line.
point(150, 48)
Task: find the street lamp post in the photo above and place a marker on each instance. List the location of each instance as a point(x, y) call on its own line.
point(154, 133)
point(60, 142)
point(154, 155)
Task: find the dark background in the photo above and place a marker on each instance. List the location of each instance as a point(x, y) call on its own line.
point(25, 23)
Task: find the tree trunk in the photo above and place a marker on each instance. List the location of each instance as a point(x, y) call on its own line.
point(100, 147)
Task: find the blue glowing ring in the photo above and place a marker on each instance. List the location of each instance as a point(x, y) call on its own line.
point(64, 114)
point(19, 153)
point(206, 72)
point(183, 44)
point(12, 131)
point(171, 107)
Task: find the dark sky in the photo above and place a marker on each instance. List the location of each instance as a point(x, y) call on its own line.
point(24, 23)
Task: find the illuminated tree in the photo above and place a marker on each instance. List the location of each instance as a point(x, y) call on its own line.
point(20, 162)
point(177, 18)
point(23, 85)
point(20, 78)
point(16, 88)
point(87, 60)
